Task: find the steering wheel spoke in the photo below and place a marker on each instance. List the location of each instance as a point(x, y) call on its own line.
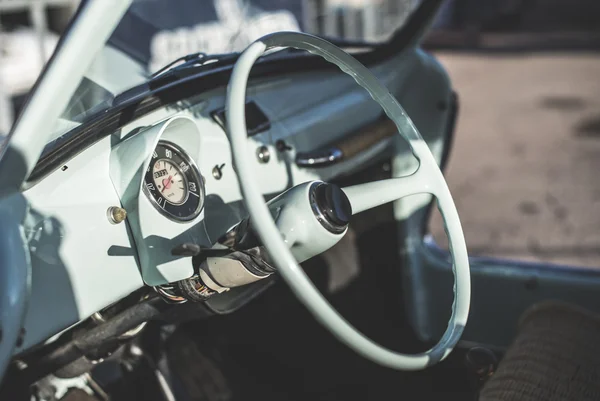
point(372, 194)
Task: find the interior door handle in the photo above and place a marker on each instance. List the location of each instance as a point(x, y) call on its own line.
point(348, 147)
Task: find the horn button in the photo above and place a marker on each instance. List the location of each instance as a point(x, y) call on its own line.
point(331, 207)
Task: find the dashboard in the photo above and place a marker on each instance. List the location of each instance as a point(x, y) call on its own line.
point(172, 173)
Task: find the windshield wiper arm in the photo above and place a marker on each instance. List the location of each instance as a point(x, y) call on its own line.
point(185, 59)
point(199, 58)
point(169, 73)
point(203, 58)
point(189, 61)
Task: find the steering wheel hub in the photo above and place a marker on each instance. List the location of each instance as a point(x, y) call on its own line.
point(331, 206)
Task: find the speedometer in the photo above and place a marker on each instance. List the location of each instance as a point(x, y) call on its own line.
point(173, 183)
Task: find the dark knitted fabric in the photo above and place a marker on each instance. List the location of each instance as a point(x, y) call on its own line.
point(555, 357)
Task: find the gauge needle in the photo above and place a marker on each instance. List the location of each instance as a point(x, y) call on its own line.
point(166, 183)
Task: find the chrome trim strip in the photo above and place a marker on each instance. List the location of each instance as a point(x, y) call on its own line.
point(332, 228)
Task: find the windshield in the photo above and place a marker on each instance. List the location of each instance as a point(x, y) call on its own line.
point(153, 33)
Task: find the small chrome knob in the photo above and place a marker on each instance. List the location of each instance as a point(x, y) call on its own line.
point(263, 154)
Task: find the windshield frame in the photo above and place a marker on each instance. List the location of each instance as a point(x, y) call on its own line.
point(21, 149)
point(175, 85)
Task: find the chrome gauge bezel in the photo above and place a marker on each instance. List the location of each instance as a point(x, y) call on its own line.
point(192, 175)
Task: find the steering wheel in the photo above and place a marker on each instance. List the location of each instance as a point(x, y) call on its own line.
point(427, 179)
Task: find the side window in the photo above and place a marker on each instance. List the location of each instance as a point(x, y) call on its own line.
point(525, 160)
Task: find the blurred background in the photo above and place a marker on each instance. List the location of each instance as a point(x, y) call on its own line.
point(526, 153)
point(526, 157)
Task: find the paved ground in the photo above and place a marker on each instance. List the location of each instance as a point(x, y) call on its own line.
point(525, 167)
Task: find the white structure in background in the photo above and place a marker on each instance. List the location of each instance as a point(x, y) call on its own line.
point(238, 24)
point(361, 20)
point(24, 52)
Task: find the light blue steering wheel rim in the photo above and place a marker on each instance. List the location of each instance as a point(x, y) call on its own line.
point(287, 266)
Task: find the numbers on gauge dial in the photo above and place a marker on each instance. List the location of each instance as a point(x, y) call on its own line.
point(170, 181)
point(173, 183)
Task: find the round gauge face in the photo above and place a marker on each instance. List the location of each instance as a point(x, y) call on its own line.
point(173, 183)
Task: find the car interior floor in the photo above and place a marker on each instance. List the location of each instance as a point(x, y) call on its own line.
point(276, 350)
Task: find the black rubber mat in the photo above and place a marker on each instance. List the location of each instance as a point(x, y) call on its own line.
point(555, 357)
